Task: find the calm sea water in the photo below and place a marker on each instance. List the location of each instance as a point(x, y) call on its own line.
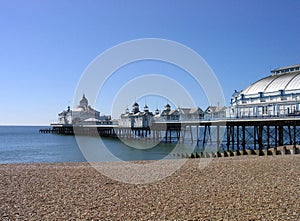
point(24, 144)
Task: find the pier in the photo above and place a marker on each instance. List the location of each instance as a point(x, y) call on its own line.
point(264, 115)
point(46, 131)
point(236, 134)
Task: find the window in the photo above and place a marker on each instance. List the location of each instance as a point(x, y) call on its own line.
point(264, 110)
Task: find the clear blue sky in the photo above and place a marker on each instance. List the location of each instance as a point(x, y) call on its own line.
point(46, 45)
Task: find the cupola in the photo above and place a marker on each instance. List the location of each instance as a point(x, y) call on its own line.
point(135, 108)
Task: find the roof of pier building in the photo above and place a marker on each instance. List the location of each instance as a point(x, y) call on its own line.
point(285, 78)
point(136, 111)
point(188, 110)
point(167, 111)
point(84, 106)
point(83, 102)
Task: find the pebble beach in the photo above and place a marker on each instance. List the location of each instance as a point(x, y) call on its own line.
point(232, 188)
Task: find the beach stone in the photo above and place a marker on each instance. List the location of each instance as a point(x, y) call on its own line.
point(229, 188)
point(275, 151)
point(213, 155)
point(267, 152)
point(224, 154)
point(259, 153)
point(244, 152)
point(237, 153)
point(230, 153)
point(251, 152)
point(284, 150)
point(206, 155)
point(295, 150)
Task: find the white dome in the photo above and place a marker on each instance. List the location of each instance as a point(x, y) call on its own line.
point(274, 83)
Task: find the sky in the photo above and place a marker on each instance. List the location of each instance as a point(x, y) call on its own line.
point(45, 47)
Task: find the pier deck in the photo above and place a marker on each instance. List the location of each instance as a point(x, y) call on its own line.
point(238, 133)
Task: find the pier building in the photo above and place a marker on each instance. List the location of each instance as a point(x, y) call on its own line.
point(83, 114)
point(275, 95)
point(190, 113)
point(168, 114)
point(145, 118)
point(136, 118)
point(215, 112)
point(179, 114)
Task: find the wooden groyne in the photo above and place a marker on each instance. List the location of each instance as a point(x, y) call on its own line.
point(249, 152)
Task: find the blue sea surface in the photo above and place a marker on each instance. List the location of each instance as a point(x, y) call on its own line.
point(24, 144)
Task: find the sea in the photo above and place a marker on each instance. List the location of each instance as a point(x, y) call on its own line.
point(24, 144)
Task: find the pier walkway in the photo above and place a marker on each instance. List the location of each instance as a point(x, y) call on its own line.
point(228, 134)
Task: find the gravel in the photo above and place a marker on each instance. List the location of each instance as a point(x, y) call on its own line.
point(235, 188)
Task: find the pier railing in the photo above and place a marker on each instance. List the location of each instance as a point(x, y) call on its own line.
point(231, 133)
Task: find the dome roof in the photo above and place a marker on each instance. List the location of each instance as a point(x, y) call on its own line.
point(135, 108)
point(84, 101)
point(274, 83)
